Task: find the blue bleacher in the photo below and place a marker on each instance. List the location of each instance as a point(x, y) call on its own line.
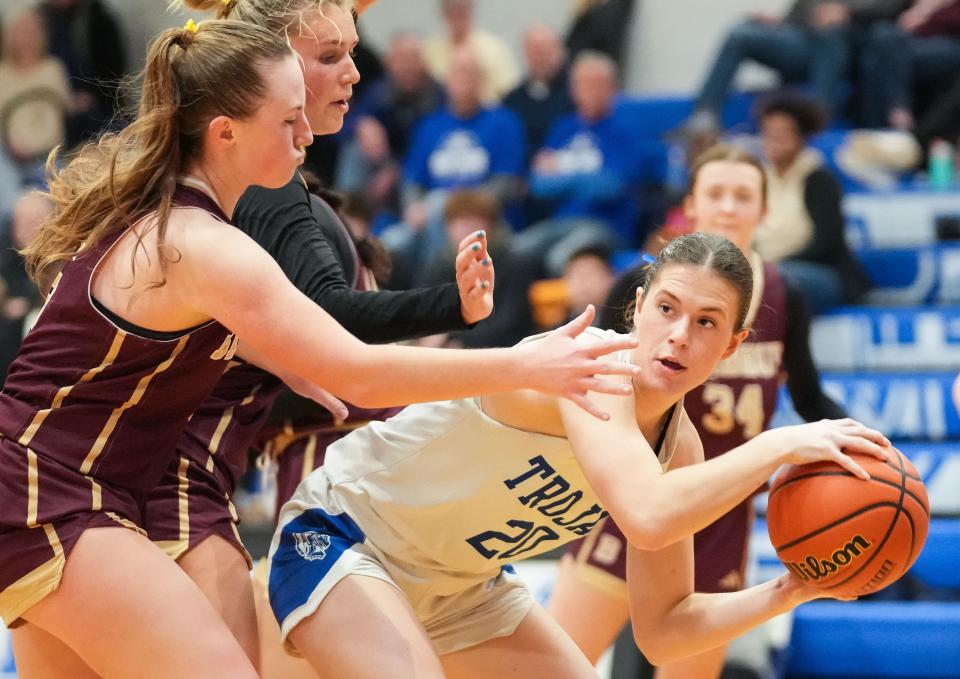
point(920, 337)
point(907, 639)
point(892, 367)
point(891, 362)
point(656, 116)
point(651, 118)
point(904, 218)
point(927, 274)
point(907, 405)
point(881, 637)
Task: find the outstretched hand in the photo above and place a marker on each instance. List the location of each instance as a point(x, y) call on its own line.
point(564, 367)
point(833, 441)
point(475, 277)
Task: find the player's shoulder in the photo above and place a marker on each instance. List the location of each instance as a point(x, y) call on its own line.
point(186, 221)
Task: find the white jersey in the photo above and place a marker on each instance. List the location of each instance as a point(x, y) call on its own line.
point(443, 487)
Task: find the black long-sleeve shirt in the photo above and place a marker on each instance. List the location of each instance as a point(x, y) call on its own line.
point(306, 238)
point(822, 196)
point(300, 232)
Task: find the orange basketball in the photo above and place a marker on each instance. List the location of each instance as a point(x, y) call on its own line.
point(846, 535)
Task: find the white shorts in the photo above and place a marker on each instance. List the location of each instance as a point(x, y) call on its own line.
point(315, 548)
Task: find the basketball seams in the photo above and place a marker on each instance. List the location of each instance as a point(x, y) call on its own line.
point(886, 537)
point(901, 471)
point(913, 541)
point(844, 519)
point(800, 477)
point(876, 479)
point(923, 506)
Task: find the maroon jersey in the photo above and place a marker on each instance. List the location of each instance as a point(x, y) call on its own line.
point(193, 499)
point(735, 404)
point(738, 400)
point(107, 401)
point(89, 418)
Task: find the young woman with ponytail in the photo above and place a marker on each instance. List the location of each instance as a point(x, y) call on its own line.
point(155, 289)
point(301, 232)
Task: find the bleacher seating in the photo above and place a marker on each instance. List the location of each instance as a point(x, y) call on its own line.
point(925, 274)
point(897, 219)
point(922, 337)
point(891, 362)
point(880, 637)
point(914, 640)
point(907, 405)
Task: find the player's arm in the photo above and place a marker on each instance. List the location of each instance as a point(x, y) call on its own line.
point(655, 509)
point(225, 275)
point(296, 383)
point(669, 621)
point(299, 242)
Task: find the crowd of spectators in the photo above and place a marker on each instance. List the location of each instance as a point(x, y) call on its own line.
point(454, 131)
point(61, 67)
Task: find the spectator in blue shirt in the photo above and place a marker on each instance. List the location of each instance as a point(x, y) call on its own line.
point(544, 95)
point(589, 169)
point(465, 145)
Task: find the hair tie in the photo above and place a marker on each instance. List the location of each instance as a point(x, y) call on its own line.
point(648, 259)
point(190, 26)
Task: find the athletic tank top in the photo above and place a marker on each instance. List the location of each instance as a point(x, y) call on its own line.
point(737, 402)
point(230, 420)
point(443, 486)
point(101, 396)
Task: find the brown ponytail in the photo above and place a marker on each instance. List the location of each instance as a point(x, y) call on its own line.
point(277, 16)
point(112, 183)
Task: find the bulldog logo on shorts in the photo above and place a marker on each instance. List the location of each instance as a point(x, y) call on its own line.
point(311, 545)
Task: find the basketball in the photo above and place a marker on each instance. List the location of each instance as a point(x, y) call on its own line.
point(846, 535)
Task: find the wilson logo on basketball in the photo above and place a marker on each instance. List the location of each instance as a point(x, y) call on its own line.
point(813, 568)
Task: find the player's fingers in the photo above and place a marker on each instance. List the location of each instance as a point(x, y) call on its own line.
point(589, 406)
point(469, 255)
point(851, 426)
point(612, 345)
point(488, 273)
point(470, 274)
point(580, 323)
point(463, 260)
point(856, 444)
point(845, 597)
point(850, 464)
point(331, 403)
point(613, 368)
point(475, 237)
point(481, 276)
point(601, 386)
